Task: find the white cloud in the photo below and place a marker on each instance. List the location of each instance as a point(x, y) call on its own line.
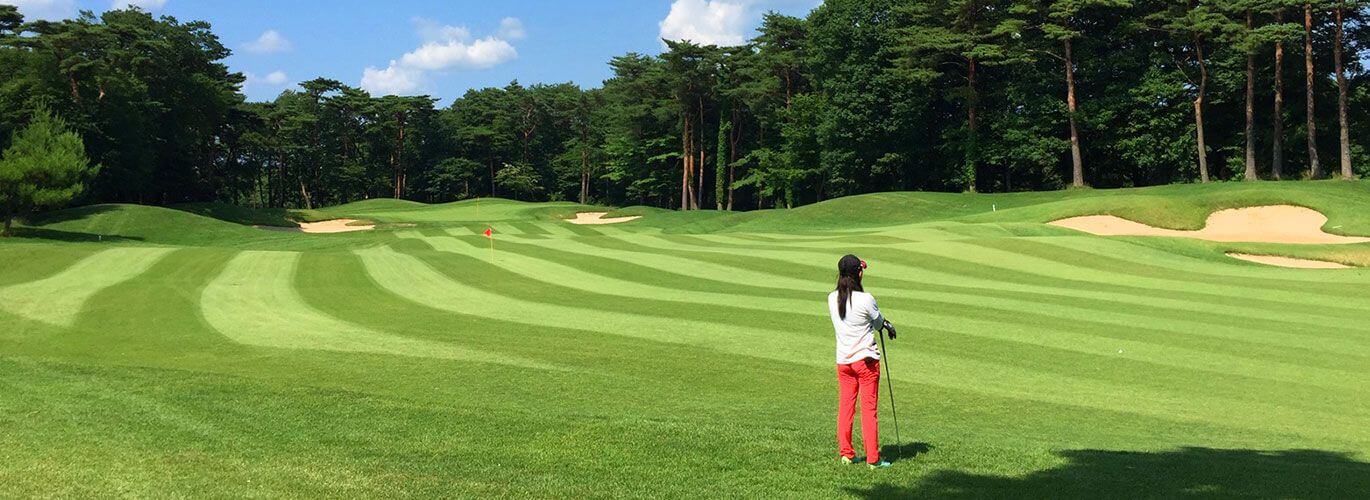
point(45, 9)
point(480, 54)
point(431, 31)
point(276, 78)
point(269, 42)
point(445, 48)
point(511, 28)
point(272, 79)
point(708, 22)
point(148, 5)
point(391, 80)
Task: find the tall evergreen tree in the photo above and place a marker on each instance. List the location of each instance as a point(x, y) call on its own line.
point(1337, 47)
point(1196, 25)
point(1061, 24)
point(45, 166)
point(1314, 168)
point(967, 35)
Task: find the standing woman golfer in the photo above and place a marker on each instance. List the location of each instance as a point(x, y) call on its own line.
point(855, 318)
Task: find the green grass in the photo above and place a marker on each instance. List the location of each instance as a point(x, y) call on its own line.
point(279, 217)
point(173, 352)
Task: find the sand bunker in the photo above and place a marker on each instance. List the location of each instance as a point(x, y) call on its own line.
point(323, 227)
point(594, 218)
point(1272, 260)
point(1269, 224)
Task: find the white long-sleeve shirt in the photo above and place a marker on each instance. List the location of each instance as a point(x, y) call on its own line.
point(856, 334)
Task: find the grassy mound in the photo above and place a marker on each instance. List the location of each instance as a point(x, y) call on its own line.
point(140, 224)
point(253, 216)
point(1346, 204)
point(375, 205)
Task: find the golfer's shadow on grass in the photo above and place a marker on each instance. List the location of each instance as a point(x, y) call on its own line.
point(909, 451)
point(1187, 472)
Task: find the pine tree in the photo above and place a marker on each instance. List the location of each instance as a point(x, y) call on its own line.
point(44, 167)
point(1345, 139)
point(1195, 25)
point(1062, 25)
point(1314, 169)
point(966, 34)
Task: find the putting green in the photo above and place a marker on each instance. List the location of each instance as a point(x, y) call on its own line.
point(158, 352)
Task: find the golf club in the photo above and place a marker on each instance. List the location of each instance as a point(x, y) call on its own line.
point(889, 381)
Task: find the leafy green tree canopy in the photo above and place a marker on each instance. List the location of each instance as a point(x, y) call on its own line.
point(44, 167)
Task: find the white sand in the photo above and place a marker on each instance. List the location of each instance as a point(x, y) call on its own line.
point(596, 218)
point(1273, 260)
point(1269, 224)
point(323, 227)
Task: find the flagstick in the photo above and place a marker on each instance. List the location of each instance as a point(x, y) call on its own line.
point(492, 248)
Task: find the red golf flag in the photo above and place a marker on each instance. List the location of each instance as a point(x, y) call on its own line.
point(489, 233)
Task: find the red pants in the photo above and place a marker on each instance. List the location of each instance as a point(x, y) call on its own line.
point(861, 377)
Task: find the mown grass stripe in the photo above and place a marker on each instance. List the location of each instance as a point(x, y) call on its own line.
point(1065, 318)
point(1179, 331)
point(1141, 343)
point(900, 265)
point(529, 228)
point(1270, 313)
point(1213, 286)
point(580, 230)
point(635, 269)
point(799, 263)
point(323, 276)
point(32, 262)
point(1121, 384)
point(490, 277)
point(1180, 313)
point(1219, 328)
point(1126, 369)
point(961, 265)
point(558, 229)
point(253, 301)
point(58, 299)
point(412, 278)
point(613, 249)
point(514, 260)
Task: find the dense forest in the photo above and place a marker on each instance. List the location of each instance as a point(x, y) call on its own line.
point(858, 96)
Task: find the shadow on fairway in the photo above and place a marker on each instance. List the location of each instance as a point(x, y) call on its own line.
point(69, 214)
point(34, 230)
point(1187, 472)
point(910, 451)
point(39, 233)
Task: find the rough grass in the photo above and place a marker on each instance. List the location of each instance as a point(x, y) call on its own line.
point(156, 352)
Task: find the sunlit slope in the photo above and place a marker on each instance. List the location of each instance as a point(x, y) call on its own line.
point(1181, 206)
point(154, 352)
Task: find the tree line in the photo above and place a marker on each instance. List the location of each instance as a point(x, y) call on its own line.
point(858, 96)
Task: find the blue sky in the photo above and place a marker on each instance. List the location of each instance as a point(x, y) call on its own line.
point(438, 47)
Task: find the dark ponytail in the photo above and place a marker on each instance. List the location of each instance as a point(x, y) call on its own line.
point(848, 280)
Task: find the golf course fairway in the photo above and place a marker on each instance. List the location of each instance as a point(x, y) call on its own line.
point(151, 352)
